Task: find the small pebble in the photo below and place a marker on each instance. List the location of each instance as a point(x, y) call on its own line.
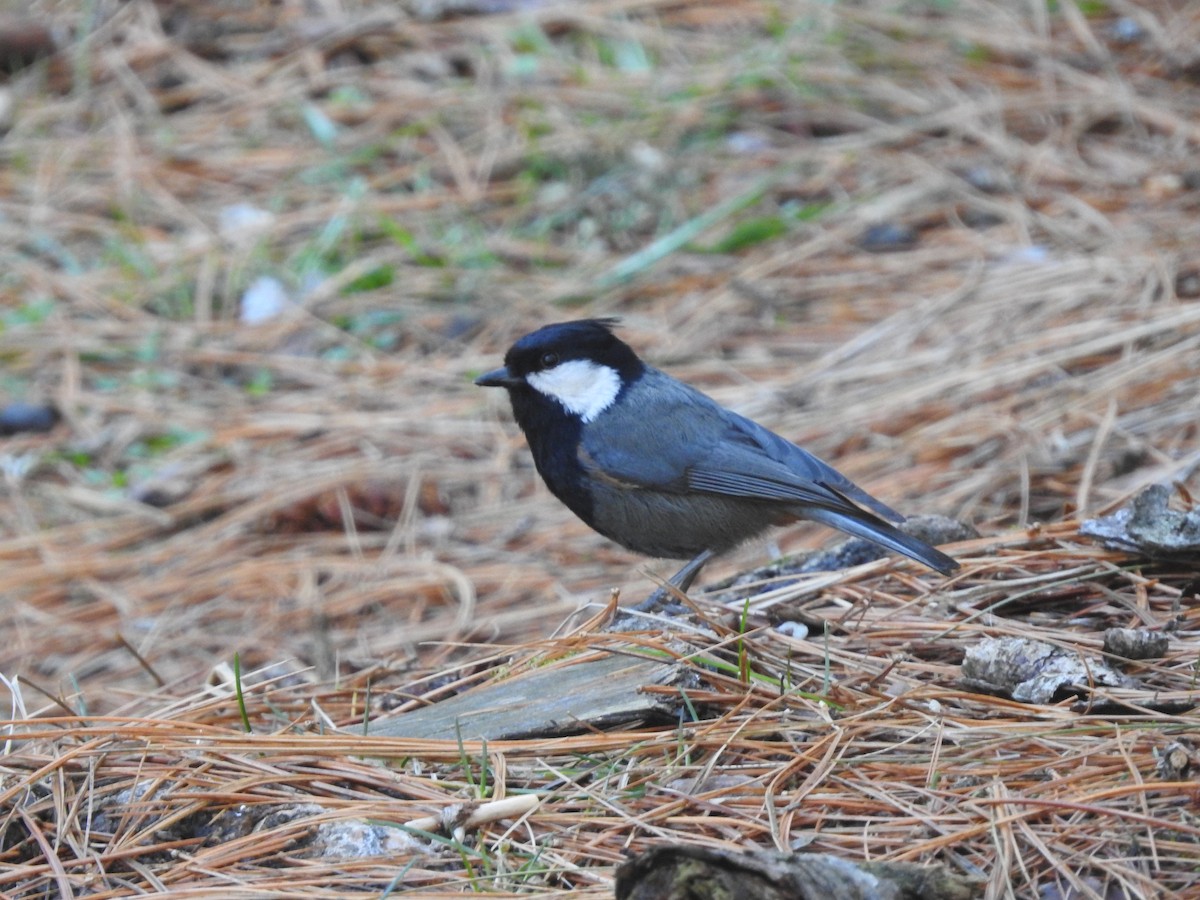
point(265, 298)
point(795, 630)
point(1126, 30)
point(980, 219)
point(747, 142)
point(1032, 255)
point(987, 179)
point(888, 237)
point(18, 417)
point(242, 221)
point(1187, 284)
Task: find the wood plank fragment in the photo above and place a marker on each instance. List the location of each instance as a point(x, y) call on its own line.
point(595, 693)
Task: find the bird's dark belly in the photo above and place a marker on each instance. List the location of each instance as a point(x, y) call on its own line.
point(678, 526)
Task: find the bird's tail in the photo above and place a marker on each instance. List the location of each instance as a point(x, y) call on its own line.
point(863, 524)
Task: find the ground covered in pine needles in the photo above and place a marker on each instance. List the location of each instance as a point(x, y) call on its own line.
point(254, 254)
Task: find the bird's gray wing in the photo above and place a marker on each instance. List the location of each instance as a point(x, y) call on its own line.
point(758, 463)
point(669, 436)
point(747, 450)
point(741, 471)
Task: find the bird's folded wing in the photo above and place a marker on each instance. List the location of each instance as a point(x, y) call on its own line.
point(673, 438)
point(744, 472)
point(734, 465)
point(802, 465)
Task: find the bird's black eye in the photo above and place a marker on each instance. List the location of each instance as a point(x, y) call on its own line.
point(549, 360)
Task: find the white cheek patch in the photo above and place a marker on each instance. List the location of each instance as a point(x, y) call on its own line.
point(582, 387)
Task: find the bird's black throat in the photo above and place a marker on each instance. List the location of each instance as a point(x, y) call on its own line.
point(553, 437)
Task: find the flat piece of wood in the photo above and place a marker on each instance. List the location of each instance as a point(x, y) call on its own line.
point(563, 699)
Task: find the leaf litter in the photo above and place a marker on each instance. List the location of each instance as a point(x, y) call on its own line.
point(324, 494)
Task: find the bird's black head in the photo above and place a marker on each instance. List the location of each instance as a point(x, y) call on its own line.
point(559, 378)
point(580, 368)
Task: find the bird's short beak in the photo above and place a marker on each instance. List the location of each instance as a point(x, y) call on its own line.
point(498, 378)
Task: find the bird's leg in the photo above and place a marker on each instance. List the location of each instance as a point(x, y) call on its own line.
point(680, 581)
point(687, 573)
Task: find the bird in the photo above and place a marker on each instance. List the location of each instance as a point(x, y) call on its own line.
point(662, 469)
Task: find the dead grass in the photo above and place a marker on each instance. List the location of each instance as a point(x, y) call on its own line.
point(327, 495)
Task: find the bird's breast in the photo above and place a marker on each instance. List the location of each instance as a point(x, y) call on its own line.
point(677, 525)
